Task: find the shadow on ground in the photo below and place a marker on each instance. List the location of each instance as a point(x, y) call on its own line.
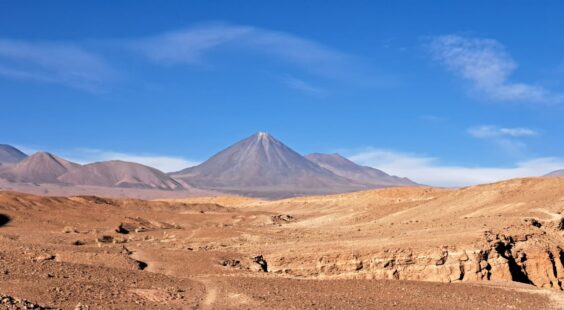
point(4, 219)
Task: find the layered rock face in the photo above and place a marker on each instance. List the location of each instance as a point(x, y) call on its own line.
point(533, 256)
point(509, 231)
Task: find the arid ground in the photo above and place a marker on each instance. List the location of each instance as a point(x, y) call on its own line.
point(496, 246)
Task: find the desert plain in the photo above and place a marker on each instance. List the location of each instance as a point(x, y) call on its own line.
point(493, 246)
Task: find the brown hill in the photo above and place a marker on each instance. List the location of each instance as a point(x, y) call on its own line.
point(40, 167)
point(118, 173)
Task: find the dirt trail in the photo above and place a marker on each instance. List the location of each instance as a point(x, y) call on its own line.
point(553, 216)
point(211, 292)
point(211, 289)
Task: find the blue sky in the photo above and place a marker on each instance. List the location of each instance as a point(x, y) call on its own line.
point(445, 93)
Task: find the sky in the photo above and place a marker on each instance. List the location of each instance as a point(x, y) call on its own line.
point(446, 93)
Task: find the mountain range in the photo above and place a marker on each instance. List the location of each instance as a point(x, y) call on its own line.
point(40, 167)
point(116, 173)
point(343, 167)
point(10, 154)
point(557, 173)
point(259, 166)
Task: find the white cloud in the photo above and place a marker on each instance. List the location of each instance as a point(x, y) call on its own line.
point(59, 63)
point(428, 170)
point(163, 163)
point(189, 46)
point(487, 131)
point(486, 64)
point(509, 140)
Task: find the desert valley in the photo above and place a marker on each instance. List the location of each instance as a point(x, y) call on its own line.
point(281, 154)
point(260, 226)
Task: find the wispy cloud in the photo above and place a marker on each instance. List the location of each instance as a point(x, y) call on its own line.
point(428, 170)
point(488, 131)
point(488, 66)
point(302, 86)
point(509, 140)
point(49, 62)
point(163, 163)
point(192, 45)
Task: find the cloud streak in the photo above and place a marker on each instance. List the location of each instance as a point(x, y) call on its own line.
point(428, 170)
point(509, 140)
point(59, 63)
point(302, 86)
point(488, 66)
point(487, 131)
point(190, 46)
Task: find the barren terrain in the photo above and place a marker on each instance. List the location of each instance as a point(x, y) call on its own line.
point(495, 246)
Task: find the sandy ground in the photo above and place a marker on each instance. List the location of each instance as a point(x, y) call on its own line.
point(205, 253)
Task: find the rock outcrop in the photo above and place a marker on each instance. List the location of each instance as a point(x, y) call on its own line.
point(523, 253)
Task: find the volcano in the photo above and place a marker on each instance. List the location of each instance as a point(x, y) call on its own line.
point(262, 166)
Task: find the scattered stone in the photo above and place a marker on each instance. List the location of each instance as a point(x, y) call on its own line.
point(11, 303)
point(44, 257)
point(105, 239)
point(141, 229)
point(122, 230)
point(536, 223)
point(260, 264)
point(80, 306)
point(70, 229)
point(141, 265)
point(118, 240)
point(234, 263)
point(282, 218)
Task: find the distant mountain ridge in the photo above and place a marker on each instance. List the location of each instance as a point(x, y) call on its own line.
point(262, 166)
point(557, 173)
point(10, 154)
point(344, 167)
point(46, 168)
point(259, 166)
point(116, 173)
point(41, 167)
